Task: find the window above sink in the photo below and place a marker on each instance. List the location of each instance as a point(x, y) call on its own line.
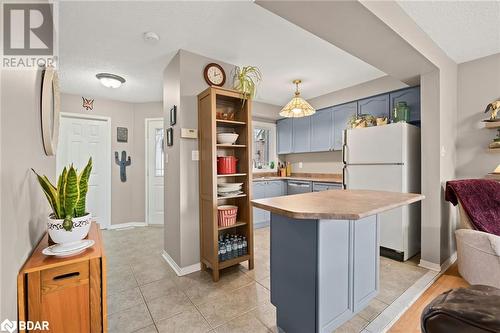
point(264, 157)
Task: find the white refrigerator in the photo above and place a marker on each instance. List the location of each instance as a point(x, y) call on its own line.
point(387, 158)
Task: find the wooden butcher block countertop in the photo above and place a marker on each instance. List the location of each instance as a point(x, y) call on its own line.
point(336, 204)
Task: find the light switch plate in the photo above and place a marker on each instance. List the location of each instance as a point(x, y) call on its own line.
point(195, 155)
point(189, 133)
point(300, 165)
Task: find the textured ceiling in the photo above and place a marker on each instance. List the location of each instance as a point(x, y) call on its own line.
point(107, 37)
point(464, 30)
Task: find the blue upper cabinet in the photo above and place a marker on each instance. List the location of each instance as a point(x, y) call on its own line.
point(284, 130)
point(412, 98)
point(377, 106)
point(301, 139)
point(321, 130)
point(341, 115)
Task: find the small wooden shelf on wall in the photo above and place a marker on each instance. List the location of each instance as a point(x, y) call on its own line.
point(209, 101)
point(492, 124)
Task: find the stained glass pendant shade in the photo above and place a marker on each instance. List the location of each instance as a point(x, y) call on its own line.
point(297, 107)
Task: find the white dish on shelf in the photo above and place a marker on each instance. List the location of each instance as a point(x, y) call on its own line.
point(229, 188)
point(230, 194)
point(227, 138)
point(68, 249)
point(229, 184)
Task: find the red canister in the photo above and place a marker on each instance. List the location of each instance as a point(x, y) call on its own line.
point(226, 165)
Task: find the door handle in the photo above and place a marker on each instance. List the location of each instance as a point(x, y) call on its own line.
point(344, 149)
point(344, 186)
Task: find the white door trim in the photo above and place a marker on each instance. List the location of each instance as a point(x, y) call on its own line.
point(146, 164)
point(107, 184)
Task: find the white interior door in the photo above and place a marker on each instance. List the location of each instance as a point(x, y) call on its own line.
point(154, 171)
point(79, 139)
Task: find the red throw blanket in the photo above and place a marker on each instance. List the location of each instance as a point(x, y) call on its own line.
point(480, 199)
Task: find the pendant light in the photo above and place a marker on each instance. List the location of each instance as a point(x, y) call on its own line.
point(297, 107)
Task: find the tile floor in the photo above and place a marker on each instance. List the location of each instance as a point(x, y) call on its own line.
point(146, 296)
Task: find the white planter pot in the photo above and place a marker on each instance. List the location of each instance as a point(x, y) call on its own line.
point(81, 227)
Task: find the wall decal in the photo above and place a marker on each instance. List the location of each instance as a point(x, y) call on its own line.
point(121, 134)
point(123, 163)
point(173, 115)
point(88, 104)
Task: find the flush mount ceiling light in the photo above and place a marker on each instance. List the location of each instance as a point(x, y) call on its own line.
point(297, 107)
point(110, 80)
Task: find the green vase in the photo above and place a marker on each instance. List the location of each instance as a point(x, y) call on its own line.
point(401, 112)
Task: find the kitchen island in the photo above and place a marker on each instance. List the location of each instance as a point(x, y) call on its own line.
point(325, 254)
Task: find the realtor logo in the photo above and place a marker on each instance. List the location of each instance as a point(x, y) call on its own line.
point(8, 326)
point(28, 29)
point(28, 35)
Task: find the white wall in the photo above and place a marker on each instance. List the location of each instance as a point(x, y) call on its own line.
point(127, 199)
point(478, 85)
point(323, 162)
point(183, 81)
point(24, 208)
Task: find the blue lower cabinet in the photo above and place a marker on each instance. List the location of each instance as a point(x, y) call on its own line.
point(260, 216)
point(377, 106)
point(274, 189)
point(265, 189)
point(412, 98)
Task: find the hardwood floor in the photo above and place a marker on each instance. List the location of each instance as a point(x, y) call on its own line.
point(410, 320)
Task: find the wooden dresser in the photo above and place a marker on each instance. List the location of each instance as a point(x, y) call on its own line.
point(69, 293)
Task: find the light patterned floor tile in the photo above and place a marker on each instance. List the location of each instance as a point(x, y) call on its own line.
point(129, 320)
point(189, 321)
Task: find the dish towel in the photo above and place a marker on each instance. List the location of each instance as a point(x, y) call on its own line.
point(480, 199)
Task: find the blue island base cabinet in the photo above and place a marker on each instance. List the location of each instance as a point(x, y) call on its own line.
point(313, 262)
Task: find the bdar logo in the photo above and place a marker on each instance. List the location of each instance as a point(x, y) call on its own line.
point(8, 326)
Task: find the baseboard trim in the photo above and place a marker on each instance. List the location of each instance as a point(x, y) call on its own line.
point(126, 225)
point(180, 271)
point(436, 267)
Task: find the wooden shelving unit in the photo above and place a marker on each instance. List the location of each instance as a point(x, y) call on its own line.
point(208, 102)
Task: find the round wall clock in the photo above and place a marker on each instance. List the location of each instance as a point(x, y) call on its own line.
point(214, 75)
point(49, 110)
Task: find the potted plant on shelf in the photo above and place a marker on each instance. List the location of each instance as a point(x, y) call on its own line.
point(245, 81)
point(69, 220)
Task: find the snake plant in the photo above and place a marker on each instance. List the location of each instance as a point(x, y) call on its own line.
point(68, 199)
point(245, 80)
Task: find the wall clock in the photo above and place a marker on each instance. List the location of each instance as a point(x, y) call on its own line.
point(49, 110)
point(214, 75)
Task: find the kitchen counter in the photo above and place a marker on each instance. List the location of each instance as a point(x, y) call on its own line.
point(325, 255)
point(324, 178)
point(336, 204)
